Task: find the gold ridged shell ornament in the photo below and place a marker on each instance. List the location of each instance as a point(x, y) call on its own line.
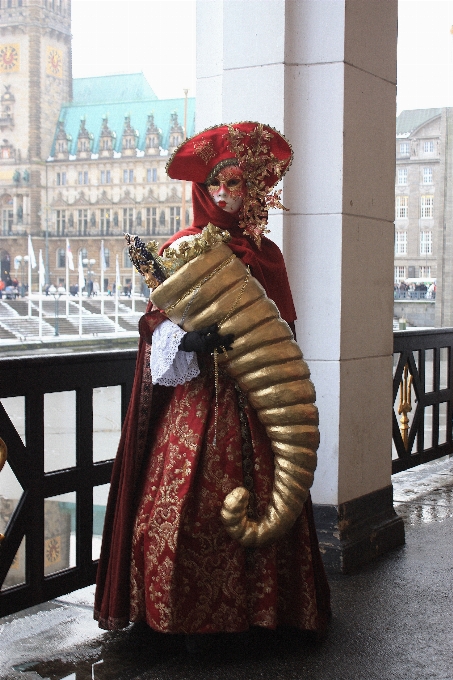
point(267, 364)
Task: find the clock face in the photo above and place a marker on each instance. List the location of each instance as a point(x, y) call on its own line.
point(54, 65)
point(9, 58)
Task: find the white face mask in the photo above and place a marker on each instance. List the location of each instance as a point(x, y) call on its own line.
point(228, 188)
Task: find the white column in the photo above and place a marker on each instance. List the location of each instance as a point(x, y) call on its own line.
point(323, 72)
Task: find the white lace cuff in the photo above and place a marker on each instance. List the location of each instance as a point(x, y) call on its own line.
point(169, 366)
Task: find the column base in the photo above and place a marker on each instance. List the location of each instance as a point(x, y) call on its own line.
point(358, 531)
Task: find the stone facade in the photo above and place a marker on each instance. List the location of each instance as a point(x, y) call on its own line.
point(418, 193)
point(82, 160)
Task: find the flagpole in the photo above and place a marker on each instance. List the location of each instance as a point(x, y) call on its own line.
point(41, 273)
point(133, 289)
point(80, 293)
point(31, 263)
point(102, 276)
point(29, 287)
point(117, 280)
point(67, 278)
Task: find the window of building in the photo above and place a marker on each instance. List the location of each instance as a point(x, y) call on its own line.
point(82, 222)
point(6, 152)
point(402, 203)
point(402, 176)
point(400, 274)
point(61, 178)
point(128, 176)
point(400, 243)
point(107, 258)
point(151, 175)
point(83, 254)
point(106, 143)
point(105, 176)
point(426, 242)
point(427, 175)
point(126, 259)
point(425, 272)
point(7, 221)
point(104, 221)
point(61, 258)
point(404, 147)
point(128, 219)
point(151, 220)
point(83, 177)
point(175, 219)
point(427, 206)
point(61, 222)
point(428, 147)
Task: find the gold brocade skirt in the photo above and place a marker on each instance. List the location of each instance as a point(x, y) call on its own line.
point(188, 575)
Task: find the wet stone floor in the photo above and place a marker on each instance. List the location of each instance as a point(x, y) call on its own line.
point(393, 620)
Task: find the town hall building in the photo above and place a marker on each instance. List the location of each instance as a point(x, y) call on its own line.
point(80, 159)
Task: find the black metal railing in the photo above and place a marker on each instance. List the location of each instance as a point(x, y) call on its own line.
point(32, 378)
point(422, 417)
point(422, 395)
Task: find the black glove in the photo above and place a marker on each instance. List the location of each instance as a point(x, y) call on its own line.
point(205, 340)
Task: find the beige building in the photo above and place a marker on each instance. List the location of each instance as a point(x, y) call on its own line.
point(419, 192)
point(80, 159)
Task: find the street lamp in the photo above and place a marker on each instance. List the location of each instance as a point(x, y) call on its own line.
point(22, 260)
point(57, 293)
point(89, 263)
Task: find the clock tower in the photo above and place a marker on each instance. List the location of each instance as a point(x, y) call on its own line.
point(35, 79)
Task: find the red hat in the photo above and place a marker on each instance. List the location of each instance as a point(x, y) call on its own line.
point(256, 148)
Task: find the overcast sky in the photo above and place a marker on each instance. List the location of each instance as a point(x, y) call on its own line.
point(425, 54)
point(127, 36)
point(158, 38)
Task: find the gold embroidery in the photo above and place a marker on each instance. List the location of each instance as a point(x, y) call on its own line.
point(187, 575)
point(205, 150)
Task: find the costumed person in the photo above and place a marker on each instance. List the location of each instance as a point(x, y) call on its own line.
point(175, 554)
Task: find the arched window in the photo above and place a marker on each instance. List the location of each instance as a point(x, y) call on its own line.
point(84, 253)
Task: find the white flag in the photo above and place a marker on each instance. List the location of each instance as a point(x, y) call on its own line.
point(103, 262)
point(81, 276)
point(42, 271)
point(31, 253)
point(69, 255)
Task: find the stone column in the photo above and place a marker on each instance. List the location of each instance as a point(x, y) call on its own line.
point(323, 72)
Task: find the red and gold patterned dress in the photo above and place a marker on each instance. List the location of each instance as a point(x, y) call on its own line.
point(166, 557)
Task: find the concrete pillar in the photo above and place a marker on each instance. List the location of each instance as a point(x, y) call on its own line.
point(324, 72)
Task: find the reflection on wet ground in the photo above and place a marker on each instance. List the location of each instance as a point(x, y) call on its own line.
point(425, 494)
point(391, 621)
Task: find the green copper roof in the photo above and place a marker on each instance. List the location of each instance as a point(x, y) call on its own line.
point(408, 121)
point(116, 88)
point(115, 108)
